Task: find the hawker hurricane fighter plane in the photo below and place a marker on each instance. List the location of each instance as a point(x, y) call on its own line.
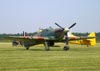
point(50, 36)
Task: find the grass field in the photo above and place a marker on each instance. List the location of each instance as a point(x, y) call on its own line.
point(78, 58)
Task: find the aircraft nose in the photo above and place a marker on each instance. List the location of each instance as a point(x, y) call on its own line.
point(66, 30)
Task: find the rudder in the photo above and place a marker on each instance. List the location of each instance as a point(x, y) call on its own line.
point(92, 40)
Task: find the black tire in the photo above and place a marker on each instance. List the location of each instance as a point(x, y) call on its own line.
point(27, 48)
point(66, 48)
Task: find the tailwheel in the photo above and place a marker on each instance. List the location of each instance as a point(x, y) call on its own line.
point(27, 48)
point(66, 48)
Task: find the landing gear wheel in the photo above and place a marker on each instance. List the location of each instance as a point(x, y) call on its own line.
point(66, 48)
point(47, 49)
point(27, 48)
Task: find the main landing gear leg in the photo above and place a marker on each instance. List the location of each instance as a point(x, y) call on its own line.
point(46, 46)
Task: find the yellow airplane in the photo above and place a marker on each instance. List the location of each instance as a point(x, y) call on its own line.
point(84, 40)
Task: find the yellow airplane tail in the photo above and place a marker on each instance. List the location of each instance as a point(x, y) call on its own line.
point(92, 40)
point(89, 40)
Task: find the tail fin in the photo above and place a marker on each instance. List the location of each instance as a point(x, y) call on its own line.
point(92, 40)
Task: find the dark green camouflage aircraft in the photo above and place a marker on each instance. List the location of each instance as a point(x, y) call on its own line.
point(49, 36)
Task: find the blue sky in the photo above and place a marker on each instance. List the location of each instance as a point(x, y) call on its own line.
point(30, 15)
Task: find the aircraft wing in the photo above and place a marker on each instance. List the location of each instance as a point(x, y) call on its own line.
point(30, 40)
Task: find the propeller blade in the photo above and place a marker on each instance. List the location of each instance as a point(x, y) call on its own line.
point(59, 26)
point(72, 26)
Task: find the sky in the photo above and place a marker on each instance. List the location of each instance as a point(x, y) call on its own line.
point(30, 15)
